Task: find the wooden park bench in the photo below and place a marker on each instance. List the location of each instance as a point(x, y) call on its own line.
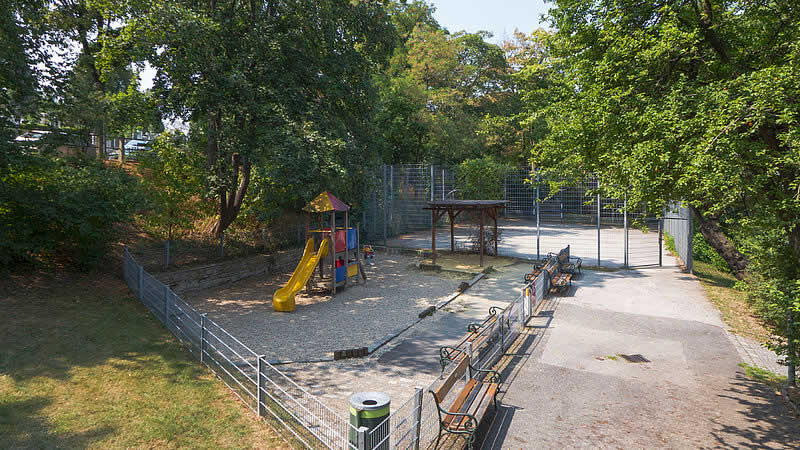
point(476, 336)
point(464, 415)
point(540, 266)
point(564, 264)
point(561, 274)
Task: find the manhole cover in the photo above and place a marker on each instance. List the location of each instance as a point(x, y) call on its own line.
point(637, 358)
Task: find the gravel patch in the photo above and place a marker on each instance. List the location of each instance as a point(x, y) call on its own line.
point(393, 295)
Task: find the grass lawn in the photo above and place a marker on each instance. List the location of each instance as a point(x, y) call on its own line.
point(736, 311)
point(83, 364)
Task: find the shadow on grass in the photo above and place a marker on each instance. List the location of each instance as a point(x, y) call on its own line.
point(22, 426)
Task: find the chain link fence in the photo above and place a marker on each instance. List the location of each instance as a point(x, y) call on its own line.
point(536, 221)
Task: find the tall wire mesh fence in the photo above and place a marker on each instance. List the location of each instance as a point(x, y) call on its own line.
point(678, 225)
point(264, 389)
point(536, 220)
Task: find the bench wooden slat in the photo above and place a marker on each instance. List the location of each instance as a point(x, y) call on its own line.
point(462, 397)
point(480, 400)
point(451, 379)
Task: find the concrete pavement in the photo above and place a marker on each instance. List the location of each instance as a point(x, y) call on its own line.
point(570, 385)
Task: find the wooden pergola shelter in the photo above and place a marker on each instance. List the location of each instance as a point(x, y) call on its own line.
point(455, 207)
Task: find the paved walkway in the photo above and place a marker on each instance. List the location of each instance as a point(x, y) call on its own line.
point(571, 386)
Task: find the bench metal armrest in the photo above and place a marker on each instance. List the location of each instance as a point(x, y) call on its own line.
point(472, 423)
point(495, 375)
point(446, 355)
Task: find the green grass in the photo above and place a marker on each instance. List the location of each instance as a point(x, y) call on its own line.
point(83, 364)
point(737, 313)
point(763, 375)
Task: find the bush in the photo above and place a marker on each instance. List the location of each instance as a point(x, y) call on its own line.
point(53, 208)
point(172, 178)
point(703, 251)
point(482, 178)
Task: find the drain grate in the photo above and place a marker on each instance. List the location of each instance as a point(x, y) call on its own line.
point(637, 358)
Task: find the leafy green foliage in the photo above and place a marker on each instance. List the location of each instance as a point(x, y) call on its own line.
point(172, 178)
point(685, 100)
point(442, 95)
point(482, 178)
point(53, 208)
point(702, 251)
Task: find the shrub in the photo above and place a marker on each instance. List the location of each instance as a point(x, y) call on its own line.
point(482, 178)
point(61, 208)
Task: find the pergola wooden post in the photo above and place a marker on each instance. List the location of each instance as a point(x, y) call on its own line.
point(453, 208)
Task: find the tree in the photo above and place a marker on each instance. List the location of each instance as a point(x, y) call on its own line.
point(172, 178)
point(275, 85)
point(693, 100)
point(436, 94)
point(93, 93)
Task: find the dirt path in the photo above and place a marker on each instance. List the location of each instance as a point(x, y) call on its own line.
point(572, 387)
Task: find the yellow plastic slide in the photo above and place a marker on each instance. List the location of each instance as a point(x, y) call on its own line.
point(283, 300)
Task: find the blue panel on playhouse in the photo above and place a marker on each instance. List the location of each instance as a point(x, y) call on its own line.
point(341, 273)
point(352, 238)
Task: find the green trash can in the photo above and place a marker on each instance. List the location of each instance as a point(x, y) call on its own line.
point(370, 409)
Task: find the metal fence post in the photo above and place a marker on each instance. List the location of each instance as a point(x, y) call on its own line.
point(166, 305)
point(538, 227)
point(522, 311)
point(203, 338)
point(443, 188)
point(625, 226)
point(471, 359)
point(141, 283)
point(790, 368)
point(433, 186)
point(418, 393)
point(262, 405)
point(385, 201)
point(598, 223)
point(362, 438)
point(690, 240)
point(660, 241)
point(166, 253)
point(502, 336)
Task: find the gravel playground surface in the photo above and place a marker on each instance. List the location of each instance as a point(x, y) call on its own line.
point(393, 295)
point(412, 359)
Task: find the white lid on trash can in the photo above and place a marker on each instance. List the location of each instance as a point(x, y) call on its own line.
point(366, 401)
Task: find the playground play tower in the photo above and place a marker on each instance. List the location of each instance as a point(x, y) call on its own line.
point(337, 247)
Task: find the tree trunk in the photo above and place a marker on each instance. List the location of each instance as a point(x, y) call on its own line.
point(711, 231)
point(231, 202)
